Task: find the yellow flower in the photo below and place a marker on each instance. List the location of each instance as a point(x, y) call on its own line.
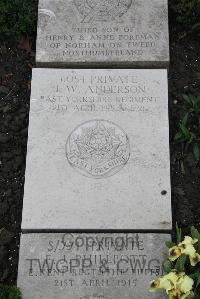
point(185, 284)
point(174, 253)
point(167, 282)
point(194, 259)
point(175, 294)
point(161, 283)
point(173, 277)
point(187, 248)
point(176, 285)
point(188, 241)
point(154, 285)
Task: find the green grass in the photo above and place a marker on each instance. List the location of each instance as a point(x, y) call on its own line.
point(9, 292)
point(17, 17)
point(188, 15)
point(189, 126)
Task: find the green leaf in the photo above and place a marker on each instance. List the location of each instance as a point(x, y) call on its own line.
point(195, 233)
point(185, 119)
point(179, 137)
point(198, 282)
point(187, 99)
point(191, 110)
point(168, 266)
point(169, 244)
point(193, 276)
point(192, 136)
point(196, 151)
point(185, 131)
point(178, 234)
point(180, 264)
point(196, 27)
point(193, 100)
point(9, 292)
point(198, 98)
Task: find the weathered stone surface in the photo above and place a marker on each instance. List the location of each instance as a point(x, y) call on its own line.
point(90, 266)
point(98, 153)
point(107, 32)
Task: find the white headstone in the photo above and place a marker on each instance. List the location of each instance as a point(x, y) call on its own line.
point(124, 33)
point(98, 152)
point(90, 266)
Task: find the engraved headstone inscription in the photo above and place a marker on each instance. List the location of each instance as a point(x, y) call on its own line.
point(107, 32)
point(90, 266)
point(98, 142)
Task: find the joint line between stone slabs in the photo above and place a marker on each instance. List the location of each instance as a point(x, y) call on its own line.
point(95, 231)
point(122, 66)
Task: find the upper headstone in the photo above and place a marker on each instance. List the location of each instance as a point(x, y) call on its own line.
point(98, 150)
point(127, 33)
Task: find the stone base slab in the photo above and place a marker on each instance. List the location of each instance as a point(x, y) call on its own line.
point(90, 266)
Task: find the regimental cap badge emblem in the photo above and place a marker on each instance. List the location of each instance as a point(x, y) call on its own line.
point(102, 10)
point(98, 148)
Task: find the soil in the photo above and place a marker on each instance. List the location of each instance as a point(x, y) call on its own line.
point(15, 76)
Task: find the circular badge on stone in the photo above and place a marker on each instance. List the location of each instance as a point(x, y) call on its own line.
point(104, 10)
point(98, 148)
